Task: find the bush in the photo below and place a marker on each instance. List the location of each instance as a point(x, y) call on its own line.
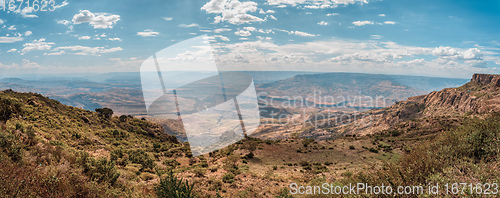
point(102, 170)
point(172, 187)
point(8, 108)
point(140, 156)
point(351, 147)
point(228, 178)
point(171, 162)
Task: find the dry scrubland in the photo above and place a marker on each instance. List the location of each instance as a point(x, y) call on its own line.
point(51, 150)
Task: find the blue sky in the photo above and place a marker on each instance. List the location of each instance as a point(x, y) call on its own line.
point(432, 38)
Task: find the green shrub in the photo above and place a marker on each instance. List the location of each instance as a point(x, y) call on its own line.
point(228, 178)
point(172, 187)
point(139, 156)
point(171, 162)
point(102, 170)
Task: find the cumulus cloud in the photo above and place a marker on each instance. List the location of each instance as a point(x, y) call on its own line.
point(361, 23)
point(323, 23)
point(338, 55)
point(232, 11)
point(12, 28)
point(167, 18)
point(1, 22)
point(148, 33)
point(97, 20)
point(37, 45)
point(454, 53)
point(25, 12)
point(390, 22)
point(243, 33)
point(381, 15)
point(27, 33)
point(12, 50)
point(332, 14)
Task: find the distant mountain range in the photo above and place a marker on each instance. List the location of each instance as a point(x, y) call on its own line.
point(122, 91)
point(354, 89)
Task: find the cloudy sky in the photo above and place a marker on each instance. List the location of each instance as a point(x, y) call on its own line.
point(433, 38)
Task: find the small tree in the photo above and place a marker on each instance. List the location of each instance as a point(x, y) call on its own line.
point(104, 112)
point(8, 108)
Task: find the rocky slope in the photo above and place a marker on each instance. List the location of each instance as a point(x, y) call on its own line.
point(479, 96)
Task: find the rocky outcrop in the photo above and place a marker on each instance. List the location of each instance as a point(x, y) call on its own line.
point(480, 96)
point(483, 79)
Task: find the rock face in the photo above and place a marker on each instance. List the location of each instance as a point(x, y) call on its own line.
point(480, 96)
point(483, 79)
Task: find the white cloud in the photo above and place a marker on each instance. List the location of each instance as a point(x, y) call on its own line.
point(148, 33)
point(97, 20)
point(323, 23)
point(39, 44)
point(332, 14)
point(222, 30)
point(265, 31)
point(232, 11)
point(84, 50)
point(350, 56)
point(299, 33)
point(272, 17)
point(7, 39)
point(27, 33)
point(243, 33)
point(114, 39)
point(11, 28)
point(270, 11)
point(315, 4)
point(64, 3)
point(167, 18)
point(1, 21)
point(381, 15)
point(390, 22)
point(188, 26)
point(251, 29)
point(361, 23)
point(264, 38)
point(84, 38)
point(64, 22)
point(454, 53)
point(12, 50)
point(376, 37)
point(223, 38)
point(25, 12)
point(25, 64)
